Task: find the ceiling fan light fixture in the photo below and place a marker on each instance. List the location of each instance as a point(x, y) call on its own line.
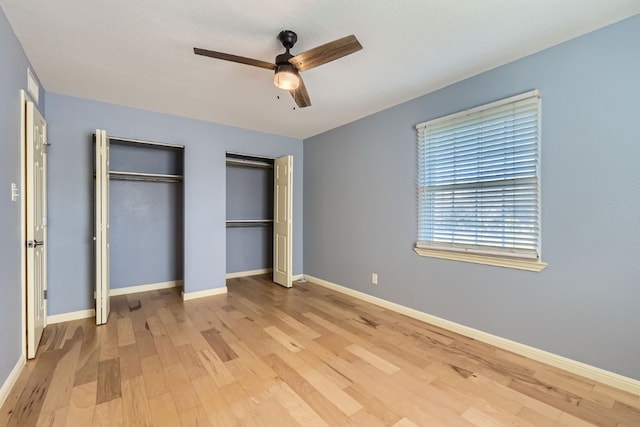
point(286, 77)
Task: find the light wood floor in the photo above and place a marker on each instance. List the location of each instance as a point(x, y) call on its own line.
point(263, 355)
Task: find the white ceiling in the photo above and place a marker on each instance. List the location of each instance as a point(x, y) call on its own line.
point(140, 53)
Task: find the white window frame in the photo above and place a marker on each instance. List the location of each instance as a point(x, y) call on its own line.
point(503, 256)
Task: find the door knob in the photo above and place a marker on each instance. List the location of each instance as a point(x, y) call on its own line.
point(34, 243)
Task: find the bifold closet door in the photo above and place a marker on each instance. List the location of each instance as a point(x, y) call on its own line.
point(103, 291)
point(283, 221)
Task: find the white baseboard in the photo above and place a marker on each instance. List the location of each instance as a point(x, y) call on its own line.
point(249, 273)
point(12, 379)
point(202, 294)
point(146, 288)
point(597, 374)
point(294, 278)
point(74, 315)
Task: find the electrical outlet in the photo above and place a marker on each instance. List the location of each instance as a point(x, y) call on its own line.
point(374, 278)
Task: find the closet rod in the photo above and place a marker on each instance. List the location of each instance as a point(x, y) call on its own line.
point(141, 141)
point(249, 163)
point(139, 176)
point(233, 154)
point(249, 222)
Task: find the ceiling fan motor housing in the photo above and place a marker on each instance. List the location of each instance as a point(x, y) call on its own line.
point(286, 75)
point(288, 38)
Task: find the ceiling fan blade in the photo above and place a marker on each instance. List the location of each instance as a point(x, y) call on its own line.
point(326, 53)
point(234, 58)
point(301, 96)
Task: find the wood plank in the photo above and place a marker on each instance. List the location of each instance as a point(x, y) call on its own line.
point(55, 418)
point(195, 417)
point(216, 369)
point(295, 405)
point(287, 342)
point(108, 385)
point(324, 386)
point(219, 345)
point(163, 411)
point(182, 391)
point(126, 335)
point(82, 405)
point(129, 361)
point(135, 406)
point(373, 359)
point(87, 368)
point(313, 398)
point(108, 341)
point(166, 350)
point(190, 360)
point(26, 410)
point(155, 381)
point(108, 414)
point(62, 380)
point(213, 402)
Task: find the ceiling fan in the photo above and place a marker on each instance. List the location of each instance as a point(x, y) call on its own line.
point(288, 67)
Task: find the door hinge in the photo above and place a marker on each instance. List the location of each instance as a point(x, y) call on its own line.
point(45, 294)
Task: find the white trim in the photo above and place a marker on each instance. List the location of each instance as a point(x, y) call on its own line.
point(23, 220)
point(596, 374)
point(201, 294)
point(145, 288)
point(12, 379)
point(297, 278)
point(33, 86)
point(249, 273)
point(144, 142)
point(512, 99)
point(73, 315)
point(498, 261)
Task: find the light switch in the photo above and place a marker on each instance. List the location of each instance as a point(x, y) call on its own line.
point(14, 192)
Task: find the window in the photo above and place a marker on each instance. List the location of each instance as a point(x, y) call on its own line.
point(479, 184)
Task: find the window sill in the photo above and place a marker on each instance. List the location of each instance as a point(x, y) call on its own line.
point(498, 261)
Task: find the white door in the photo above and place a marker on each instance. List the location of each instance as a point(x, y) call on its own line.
point(36, 225)
point(103, 302)
point(282, 221)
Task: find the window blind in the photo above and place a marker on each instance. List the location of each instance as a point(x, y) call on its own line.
point(479, 179)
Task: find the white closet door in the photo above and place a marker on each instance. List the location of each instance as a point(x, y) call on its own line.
point(103, 302)
point(282, 221)
point(36, 226)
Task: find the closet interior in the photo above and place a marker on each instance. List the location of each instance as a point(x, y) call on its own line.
point(146, 213)
point(249, 209)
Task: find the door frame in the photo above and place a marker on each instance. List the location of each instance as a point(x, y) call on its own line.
point(24, 98)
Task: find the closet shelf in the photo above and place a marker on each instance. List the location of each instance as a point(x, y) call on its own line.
point(250, 163)
point(139, 176)
point(249, 222)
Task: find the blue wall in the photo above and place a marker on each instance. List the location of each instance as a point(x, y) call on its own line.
point(361, 211)
point(13, 78)
point(71, 123)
